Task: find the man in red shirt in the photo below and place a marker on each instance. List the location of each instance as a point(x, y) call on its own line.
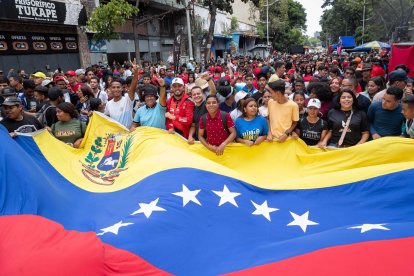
point(73, 81)
point(219, 133)
point(180, 110)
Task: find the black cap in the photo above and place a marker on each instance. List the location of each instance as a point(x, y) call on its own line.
point(223, 82)
point(10, 101)
point(8, 91)
point(149, 90)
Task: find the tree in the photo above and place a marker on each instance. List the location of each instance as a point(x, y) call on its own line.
point(223, 5)
point(382, 17)
point(105, 17)
point(287, 21)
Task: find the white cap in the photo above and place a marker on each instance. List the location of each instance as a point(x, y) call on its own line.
point(46, 82)
point(239, 96)
point(315, 103)
point(177, 80)
point(80, 72)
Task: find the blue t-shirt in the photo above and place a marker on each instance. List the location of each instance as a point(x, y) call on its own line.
point(153, 117)
point(385, 122)
point(168, 79)
point(251, 130)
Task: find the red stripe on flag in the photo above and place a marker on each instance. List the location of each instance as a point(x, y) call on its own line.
point(387, 257)
point(33, 245)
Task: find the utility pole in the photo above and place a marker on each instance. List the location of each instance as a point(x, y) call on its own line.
point(363, 23)
point(134, 30)
point(190, 43)
point(267, 20)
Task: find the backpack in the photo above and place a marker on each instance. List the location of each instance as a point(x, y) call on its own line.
point(41, 116)
point(223, 119)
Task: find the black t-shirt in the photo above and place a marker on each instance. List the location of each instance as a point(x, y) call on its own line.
point(258, 97)
point(363, 84)
point(49, 113)
point(224, 107)
point(311, 133)
point(337, 120)
point(198, 112)
point(27, 125)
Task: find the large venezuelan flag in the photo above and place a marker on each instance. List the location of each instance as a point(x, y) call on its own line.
point(157, 206)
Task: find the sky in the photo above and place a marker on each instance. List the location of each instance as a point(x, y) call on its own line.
point(313, 15)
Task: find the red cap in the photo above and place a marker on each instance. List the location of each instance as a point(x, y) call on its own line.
point(219, 69)
point(256, 71)
point(59, 78)
point(291, 71)
point(70, 73)
point(211, 69)
point(335, 62)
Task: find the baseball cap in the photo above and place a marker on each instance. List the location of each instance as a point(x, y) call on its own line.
point(47, 82)
point(10, 101)
point(223, 82)
point(225, 91)
point(39, 75)
point(80, 72)
point(177, 80)
point(240, 95)
point(8, 91)
point(70, 73)
point(366, 67)
point(398, 75)
point(315, 103)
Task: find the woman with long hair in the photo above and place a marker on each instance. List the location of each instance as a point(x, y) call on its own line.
point(308, 73)
point(374, 85)
point(347, 125)
point(69, 129)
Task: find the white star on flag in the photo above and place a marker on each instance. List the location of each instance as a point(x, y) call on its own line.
point(227, 196)
point(188, 195)
point(368, 226)
point(263, 209)
point(301, 221)
point(114, 228)
point(148, 208)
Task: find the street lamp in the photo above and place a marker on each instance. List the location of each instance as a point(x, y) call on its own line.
point(267, 19)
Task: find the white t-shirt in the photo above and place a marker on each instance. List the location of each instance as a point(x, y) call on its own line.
point(236, 113)
point(103, 96)
point(120, 111)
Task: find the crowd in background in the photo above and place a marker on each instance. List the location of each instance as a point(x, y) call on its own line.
point(325, 100)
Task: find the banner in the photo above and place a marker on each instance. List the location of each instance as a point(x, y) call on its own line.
point(37, 43)
point(68, 12)
point(402, 54)
point(177, 51)
point(272, 209)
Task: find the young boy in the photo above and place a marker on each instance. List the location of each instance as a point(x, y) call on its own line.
point(408, 112)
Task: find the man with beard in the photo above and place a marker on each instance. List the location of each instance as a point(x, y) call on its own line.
point(180, 110)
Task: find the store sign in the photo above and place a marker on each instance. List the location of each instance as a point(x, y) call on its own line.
point(68, 12)
point(33, 43)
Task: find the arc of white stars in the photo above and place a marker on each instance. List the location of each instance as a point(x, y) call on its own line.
point(263, 209)
point(368, 227)
point(302, 221)
point(227, 196)
point(148, 208)
point(188, 195)
point(114, 229)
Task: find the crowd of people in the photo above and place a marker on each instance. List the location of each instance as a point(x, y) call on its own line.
point(325, 100)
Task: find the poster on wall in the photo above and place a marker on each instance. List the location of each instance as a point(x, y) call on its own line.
point(67, 12)
point(34, 43)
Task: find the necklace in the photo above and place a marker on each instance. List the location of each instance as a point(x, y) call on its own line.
point(311, 125)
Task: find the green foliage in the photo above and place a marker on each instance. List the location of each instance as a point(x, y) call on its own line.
point(105, 17)
point(125, 151)
point(234, 25)
point(287, 21)
point(261, 29)
point(344, 17)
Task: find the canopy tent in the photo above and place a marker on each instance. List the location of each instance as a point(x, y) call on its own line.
point(373, 45)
